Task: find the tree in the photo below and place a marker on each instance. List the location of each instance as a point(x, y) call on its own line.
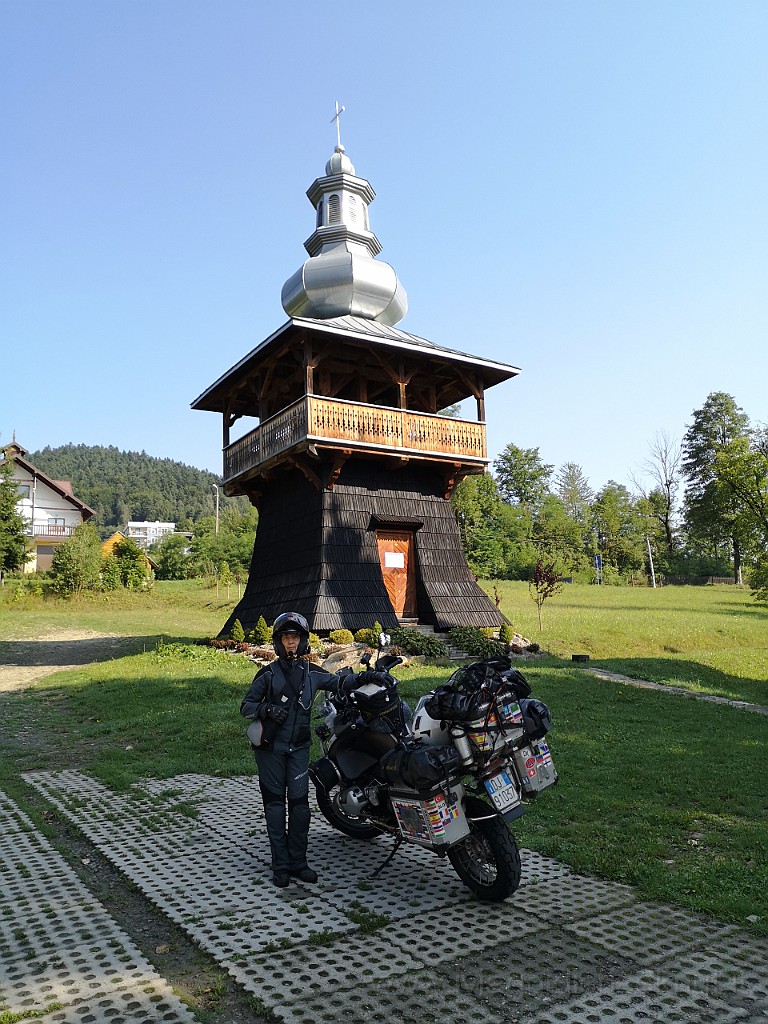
point(572, 488)
point(712, 507)
point(758, 580)
point(172, 557)
point(522, 477)
point(663, 466)
point(76, 564)
point(560, 535)
point(742, 466)
point(490, 529)
point(13, 543)
point(233, 543)
point(620, 531)
point(131, 563)
point(546, 583)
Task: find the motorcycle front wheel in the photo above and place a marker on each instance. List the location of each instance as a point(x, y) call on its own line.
point(357, 828)
point(488, 860)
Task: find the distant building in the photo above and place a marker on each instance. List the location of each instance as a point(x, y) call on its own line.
point(147, 534)
point(50, 509)
point(108, 547)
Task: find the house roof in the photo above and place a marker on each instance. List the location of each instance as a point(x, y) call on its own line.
point(15, 453)
point(355, 329)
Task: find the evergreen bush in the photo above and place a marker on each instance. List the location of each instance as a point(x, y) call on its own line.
point(237, 633)
point(506, 633)
point(341, 636)
point(261, 632)
point(369, 636)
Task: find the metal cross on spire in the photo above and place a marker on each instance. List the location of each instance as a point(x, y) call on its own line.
point(337, 118)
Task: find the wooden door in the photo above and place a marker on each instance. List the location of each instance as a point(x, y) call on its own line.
point(399, 570)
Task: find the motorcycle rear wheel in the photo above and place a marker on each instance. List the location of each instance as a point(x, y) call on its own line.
point(488, 860)
point(357, 828)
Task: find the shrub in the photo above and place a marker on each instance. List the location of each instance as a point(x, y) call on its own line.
point(315, 643)
point(261, 632)
point(367, 636)
point(341, 636)
point(77, 562)
point(110, 575)
point(370, 636)
point(506, 633)
point(237, 633)
point(413, 642)
point(471, 640)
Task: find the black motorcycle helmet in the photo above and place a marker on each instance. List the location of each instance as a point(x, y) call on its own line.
point(293, 622)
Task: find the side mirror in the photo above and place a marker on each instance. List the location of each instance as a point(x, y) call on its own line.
point(366, 658)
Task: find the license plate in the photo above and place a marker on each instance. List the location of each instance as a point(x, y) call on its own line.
point(502, 791)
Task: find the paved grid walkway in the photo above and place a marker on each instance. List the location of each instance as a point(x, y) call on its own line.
point(566, 949)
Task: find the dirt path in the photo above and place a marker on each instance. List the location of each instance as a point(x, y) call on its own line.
point(645, 684)
point(23, 662)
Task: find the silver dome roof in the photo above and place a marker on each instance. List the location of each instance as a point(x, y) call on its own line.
point(342, 276)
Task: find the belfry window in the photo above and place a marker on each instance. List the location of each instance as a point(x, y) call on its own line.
point(334, 209)
point(319, 214)
point(352, 210)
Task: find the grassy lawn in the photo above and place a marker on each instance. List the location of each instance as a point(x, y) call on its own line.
point(656, 790)
point(708, 639)
point(177, 611)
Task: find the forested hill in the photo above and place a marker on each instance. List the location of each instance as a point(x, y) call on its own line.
point(124, 486)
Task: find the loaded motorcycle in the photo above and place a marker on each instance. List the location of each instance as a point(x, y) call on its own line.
point(448, 777)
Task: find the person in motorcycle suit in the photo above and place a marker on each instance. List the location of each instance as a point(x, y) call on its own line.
point(281, 697)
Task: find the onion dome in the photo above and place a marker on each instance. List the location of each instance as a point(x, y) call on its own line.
point(342, 276)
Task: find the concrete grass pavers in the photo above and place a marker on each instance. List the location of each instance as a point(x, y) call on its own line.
point(650, 933)
point(421, 998)
point(641, 998)
point(508, 974)
point(64, 959)
point(320, 970)
point(578, 948)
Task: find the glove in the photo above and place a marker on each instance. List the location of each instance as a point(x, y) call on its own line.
point(275, 713)
point(347, 683)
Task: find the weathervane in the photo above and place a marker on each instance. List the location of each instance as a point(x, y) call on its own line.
point(337, 118)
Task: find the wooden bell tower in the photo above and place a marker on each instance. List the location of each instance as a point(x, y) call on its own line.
point(351, 465)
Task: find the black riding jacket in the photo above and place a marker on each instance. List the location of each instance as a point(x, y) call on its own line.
point(298, 682)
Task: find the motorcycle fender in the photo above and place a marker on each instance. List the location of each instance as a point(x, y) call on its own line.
point(514, 813)
point(354, 762)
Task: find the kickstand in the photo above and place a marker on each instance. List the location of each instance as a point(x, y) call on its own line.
point(395, 848)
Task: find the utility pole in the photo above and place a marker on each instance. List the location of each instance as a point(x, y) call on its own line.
point(650, 561)
point(216, 488)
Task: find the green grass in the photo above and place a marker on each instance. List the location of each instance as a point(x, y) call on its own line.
point(707, 639)
point(149, 715)
point(656, 790)
point(178, 611)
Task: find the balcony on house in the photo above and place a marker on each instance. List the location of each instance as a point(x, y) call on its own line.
point(360, 427)
point(56, 528)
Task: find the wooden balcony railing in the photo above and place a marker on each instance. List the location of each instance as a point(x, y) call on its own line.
point(352, 424)
point(43, 530)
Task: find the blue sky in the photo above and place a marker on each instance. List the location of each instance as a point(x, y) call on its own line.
point(576, 188)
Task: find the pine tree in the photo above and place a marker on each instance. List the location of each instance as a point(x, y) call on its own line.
point(13, 544)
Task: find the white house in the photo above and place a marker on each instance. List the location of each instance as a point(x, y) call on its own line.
point(147, 534)
point(50, 509)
